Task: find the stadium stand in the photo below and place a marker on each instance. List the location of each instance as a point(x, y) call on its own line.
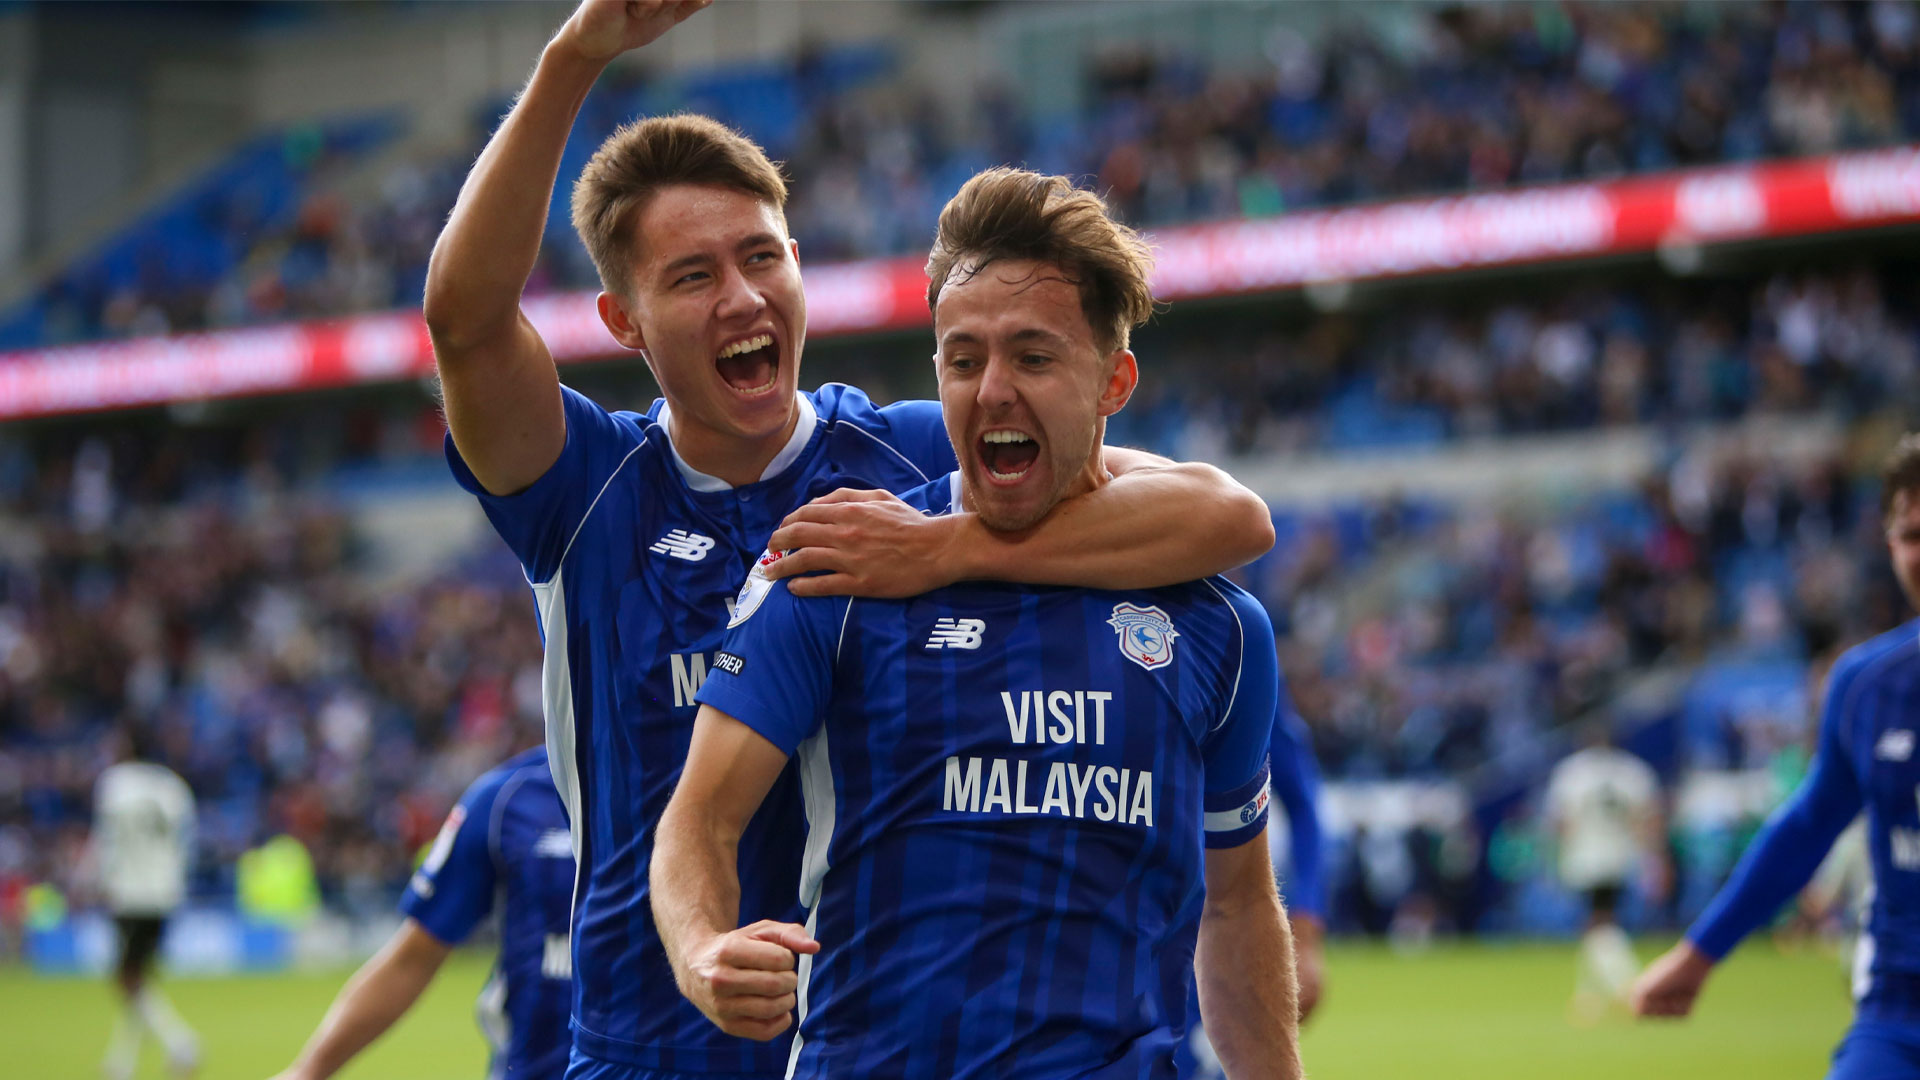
point(224, 578)
point(1474, 99)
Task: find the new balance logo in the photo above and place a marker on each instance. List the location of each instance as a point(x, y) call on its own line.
point(683, 545)
point(956, 634)
point(554, 844)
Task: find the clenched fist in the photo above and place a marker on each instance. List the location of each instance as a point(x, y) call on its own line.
point(744, 980)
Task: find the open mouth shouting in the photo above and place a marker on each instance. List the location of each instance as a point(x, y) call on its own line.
point(751, 365)
point(1006, 455)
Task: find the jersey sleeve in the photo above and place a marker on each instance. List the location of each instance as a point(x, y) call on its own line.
point(1296, 784)
point(1234, 753)
point(453, 890)
point(918, 431)
point(1790, 847)
point(775, 672)
point(538, 523)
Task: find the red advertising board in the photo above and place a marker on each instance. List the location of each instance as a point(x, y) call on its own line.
point(1381, 240)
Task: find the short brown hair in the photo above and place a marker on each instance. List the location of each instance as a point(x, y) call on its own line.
point(1900, 472)
point(642, 157)
point(1016, 214)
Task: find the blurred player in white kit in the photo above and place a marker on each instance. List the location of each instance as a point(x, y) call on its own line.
point(1604, 806)
point(143, 817)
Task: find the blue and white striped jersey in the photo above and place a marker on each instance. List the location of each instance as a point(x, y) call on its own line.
point(505, 846)
point(1009, 790)
point(634, 559)
point(1866, 759)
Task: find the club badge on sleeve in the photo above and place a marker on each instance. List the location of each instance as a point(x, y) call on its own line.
point(754, 590)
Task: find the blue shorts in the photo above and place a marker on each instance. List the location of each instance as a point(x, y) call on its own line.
point(1878, 1050)
point(582, 1067)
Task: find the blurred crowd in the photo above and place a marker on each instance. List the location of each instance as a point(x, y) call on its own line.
point(202, 583)
point(188, 583)
point(206, 584)
point(1432, 642)
point(1470, 97)
point(1644, 350)
point(1451, 651)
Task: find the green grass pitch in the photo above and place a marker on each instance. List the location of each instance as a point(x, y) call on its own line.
point(1487, 1011)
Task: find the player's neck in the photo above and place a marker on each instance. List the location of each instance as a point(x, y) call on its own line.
point(1093, 475)
point(733, 458)
point(1090, 476)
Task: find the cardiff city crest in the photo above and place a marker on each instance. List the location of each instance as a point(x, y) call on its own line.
point(1146, 634)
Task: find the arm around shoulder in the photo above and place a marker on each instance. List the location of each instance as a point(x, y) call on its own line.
point(1154, 524)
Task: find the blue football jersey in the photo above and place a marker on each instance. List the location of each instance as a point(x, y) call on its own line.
point(1296, 788)
point(634, 559)
point(1009, 790)
point(505, 845)
point(1865, 760)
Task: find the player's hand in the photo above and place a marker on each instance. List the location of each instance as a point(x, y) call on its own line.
point(744, 980)
point(1670, 984)
point(603, 29)
point(1309, 962)
point(869, 543)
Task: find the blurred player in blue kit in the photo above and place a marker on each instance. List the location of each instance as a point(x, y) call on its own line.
point(1014, 794)
point(504, 846)
point(1864, 760)
point(636, 529)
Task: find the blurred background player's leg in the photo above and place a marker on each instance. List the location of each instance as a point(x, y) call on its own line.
point(1607, 962)
point(143, 1008)
point(1603, 803)
point(138, 939)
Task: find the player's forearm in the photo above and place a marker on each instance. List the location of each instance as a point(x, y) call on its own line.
point(1148, 527)
point(1249, 998)
point(377, 996)
point(485, 254)
point(694, 882)
point(1774, 869)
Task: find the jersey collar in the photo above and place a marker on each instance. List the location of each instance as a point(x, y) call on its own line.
point(699, 481)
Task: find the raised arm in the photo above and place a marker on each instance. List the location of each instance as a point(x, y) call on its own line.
point(379, 994)
point(1244, 966)
point(742, 979)
point(1157, 523)
point(502, 392)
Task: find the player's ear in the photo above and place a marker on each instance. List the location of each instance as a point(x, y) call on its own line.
point(620, 322)
point(1122, 376)
point(793, 247)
